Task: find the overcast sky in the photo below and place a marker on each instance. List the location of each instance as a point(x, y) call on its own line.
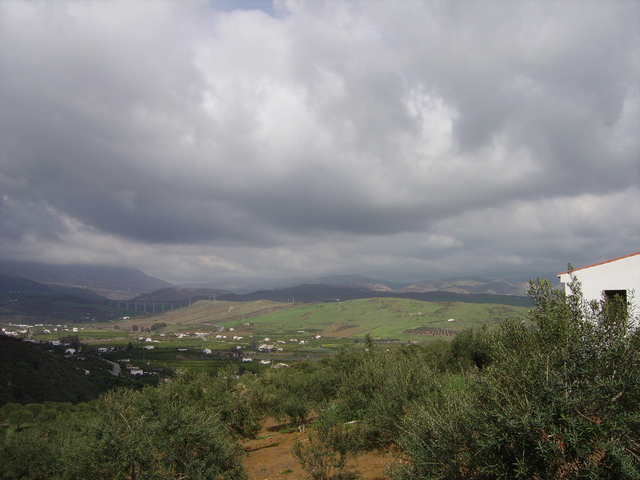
point(200, 141)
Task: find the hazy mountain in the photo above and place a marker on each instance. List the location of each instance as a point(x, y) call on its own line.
point(175, 294)
point(360, 281)
point(27, 302)
point(455, 285)
point(308, 293)
point(126, 283)
point(112, 282)
point(465, 285)
point(313, 293)
point(24, 285)
point(469, 285)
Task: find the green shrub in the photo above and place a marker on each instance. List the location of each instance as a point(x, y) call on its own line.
point(383, 387)
point(561, 401)
point(331, 445)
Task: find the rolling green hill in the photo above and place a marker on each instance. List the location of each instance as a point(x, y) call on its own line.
point(396, 318)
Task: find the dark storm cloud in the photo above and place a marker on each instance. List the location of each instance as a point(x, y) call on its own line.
point(447, 137)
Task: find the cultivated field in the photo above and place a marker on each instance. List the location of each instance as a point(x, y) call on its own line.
point(208, 335)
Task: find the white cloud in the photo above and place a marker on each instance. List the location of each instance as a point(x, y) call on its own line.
point(373, 137)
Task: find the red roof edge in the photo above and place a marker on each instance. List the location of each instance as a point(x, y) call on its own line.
point(601, 263)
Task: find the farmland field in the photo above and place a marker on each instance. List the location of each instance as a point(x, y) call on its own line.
point(209, 335)
point(383, 318)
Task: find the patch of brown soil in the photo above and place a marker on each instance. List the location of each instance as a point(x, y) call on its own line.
point(269, 457)
point(341, 331)
point(346, 327)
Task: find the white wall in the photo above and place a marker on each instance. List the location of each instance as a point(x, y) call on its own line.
point(619, 274)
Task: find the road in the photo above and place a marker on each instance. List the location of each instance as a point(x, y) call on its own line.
point(115, 370)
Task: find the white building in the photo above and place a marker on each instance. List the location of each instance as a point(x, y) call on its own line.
point(620, 276)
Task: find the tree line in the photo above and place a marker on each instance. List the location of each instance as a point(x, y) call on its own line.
point(559, 400)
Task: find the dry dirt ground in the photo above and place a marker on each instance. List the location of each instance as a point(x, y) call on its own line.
point(269, 457)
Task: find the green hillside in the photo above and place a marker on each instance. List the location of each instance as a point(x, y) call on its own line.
point(383, 318)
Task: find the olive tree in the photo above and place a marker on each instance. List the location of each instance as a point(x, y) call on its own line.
point(559, 401)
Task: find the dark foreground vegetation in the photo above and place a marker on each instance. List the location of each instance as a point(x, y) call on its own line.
point(560, 400)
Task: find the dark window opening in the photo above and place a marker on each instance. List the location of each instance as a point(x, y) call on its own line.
point(609, 294)
point(613, 301)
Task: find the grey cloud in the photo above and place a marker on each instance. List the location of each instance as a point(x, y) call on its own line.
point(374, 135)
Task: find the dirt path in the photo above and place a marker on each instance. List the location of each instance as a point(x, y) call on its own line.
point(269, 457)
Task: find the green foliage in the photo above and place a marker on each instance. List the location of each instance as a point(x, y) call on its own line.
point(72, 340)
point(330, 447)
point(173, 432)
point(560, 401)
point(19, 416)
point(381, 386)
point(290, 395)
point(472, 348)
point(30, 373)
point(368, 341)
point(167, 432)
point(556, 396)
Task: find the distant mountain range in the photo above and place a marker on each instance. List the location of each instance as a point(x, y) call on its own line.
point(25, 301)
point(313, 293)
point(175, 294)
point(10, 285)
point(464, 285)
point(110, 282)
point(98, 282)
point(454, 285)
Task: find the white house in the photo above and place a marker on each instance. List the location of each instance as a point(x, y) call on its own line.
point(619, 276)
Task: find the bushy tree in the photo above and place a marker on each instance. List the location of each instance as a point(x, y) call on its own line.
point(290, 396)
point(174, 431)
point(157, 326)
point(472, 348)
point(560, 401)
point(332, 443)
point(382, 387)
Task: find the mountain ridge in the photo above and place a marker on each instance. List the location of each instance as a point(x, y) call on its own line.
point(123, 283)
point(108, 281)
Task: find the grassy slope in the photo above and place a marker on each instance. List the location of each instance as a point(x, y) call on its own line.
point(339, 323)
point(206, 313)
point(382, 317)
